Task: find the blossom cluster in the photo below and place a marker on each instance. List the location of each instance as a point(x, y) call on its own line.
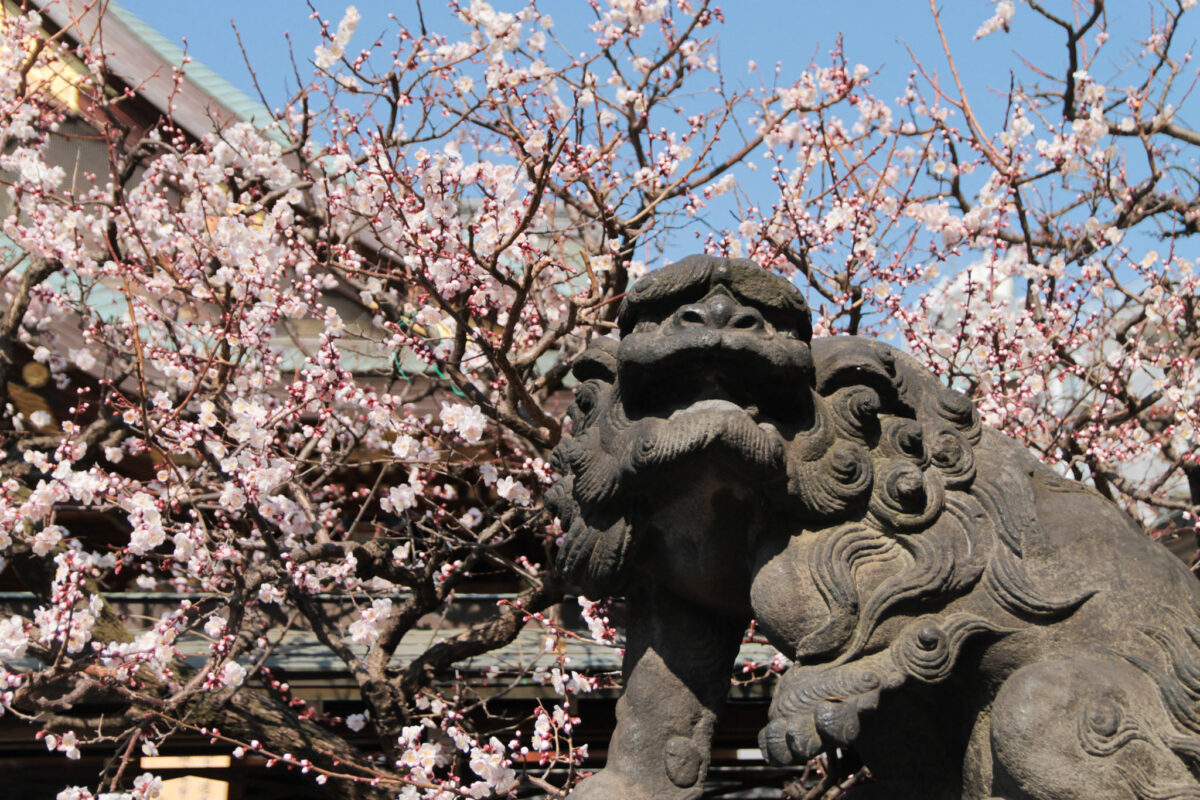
point(313, 371)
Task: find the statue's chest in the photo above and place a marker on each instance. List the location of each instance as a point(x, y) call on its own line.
point(785, 599)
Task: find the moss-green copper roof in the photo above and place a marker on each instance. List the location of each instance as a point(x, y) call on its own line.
point(221, 90)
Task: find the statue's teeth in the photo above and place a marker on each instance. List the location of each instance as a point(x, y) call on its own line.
point(708, 405)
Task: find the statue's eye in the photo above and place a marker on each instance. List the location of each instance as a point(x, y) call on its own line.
point(645, 326)
point(585, 398)
point(1104, 717)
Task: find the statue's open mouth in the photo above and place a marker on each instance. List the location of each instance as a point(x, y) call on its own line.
point(711, 380)
point(714, 389)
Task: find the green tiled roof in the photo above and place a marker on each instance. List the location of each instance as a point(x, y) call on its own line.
point(224, 92)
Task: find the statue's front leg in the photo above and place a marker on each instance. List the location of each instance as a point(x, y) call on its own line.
point(678, 661)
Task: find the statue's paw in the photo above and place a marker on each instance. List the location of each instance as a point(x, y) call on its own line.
point(801, 734)
point(609, 785)
point(838, 721)
point(792, 739)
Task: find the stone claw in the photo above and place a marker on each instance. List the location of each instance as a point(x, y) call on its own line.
point(790, 740)
point(839, 721)
point(797, 735)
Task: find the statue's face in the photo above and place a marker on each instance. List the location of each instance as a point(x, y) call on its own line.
point(700, 402)
point(713, 365)
point(720, 443)
point(721, 357)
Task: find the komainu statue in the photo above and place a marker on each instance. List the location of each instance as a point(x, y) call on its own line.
point(971, 624)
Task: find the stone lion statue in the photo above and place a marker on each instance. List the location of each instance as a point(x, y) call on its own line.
point(971, 624)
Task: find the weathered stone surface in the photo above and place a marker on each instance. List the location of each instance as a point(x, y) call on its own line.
point(973, 625)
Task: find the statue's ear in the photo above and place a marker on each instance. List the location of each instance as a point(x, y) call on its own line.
point(905, 387)
point(841, 361)
point(598, 361)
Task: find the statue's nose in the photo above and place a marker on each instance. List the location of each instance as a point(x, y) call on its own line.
point(720, 311)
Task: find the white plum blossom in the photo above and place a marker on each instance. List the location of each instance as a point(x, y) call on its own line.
point(490, 764)
point(548, 725)
point(513, 491)
point(998, 21)
point(467, 422)
point(232, 497)
point(146, 536)
point(83, 358)
point(597, 622)
point(423, 758)
point(233, 674)
point(325, 57)
point(147, 786)
point(68, 744)
point(365, 629)
point(75, 793)
point(208, 416)
point(405, 446)
point(13, 640)
point(215, 626)
point(535, 145)
point(402, 497)
point(47, 539)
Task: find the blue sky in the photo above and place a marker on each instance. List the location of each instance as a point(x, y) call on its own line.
point(790, 32)
point(768, 31)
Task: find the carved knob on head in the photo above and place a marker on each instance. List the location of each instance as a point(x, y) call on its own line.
point(929, 637)
point(908, 486)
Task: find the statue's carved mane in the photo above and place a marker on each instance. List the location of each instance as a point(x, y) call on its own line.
point(888, 472)
point(929, 503)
